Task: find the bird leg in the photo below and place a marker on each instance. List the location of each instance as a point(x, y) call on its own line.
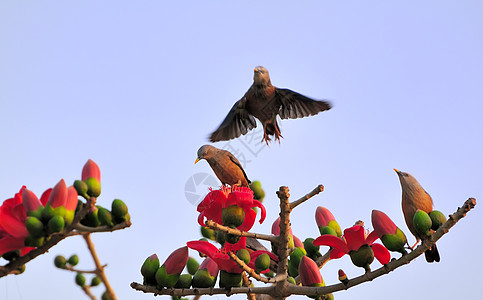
point(412, 248)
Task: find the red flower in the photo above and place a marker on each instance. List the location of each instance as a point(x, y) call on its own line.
point(91, 169)
point(212, 206)
point(12, 225)
point(353, 240)
point(309, 273)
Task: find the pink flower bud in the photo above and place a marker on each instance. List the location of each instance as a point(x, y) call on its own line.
point(71, 202)
point(210, 265)
point(276, 227)
point(176, 261)
point(29, 200)
point(382, 223)
point(91, 169)
point(58, 196)
point(323, 216)
point(309, 272)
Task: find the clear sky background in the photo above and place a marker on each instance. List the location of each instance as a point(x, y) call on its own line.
point(138, 86)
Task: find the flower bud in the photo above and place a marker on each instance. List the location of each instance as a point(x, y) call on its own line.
point(35, 227)
point(168, 274)
point(119, 210)
point(422, 222)
point(149, 268)
point(31, 203)
point(437, 219)
point(184, 281)
point(343, 277)
point(192, 265)
point(326, 222)
point(60, 261)
point(91, 170)
point(309, 273)
point(229, 280)
point(362, 257)
point(80, 279)
point(262, 262)
point(233, 215)
point(73, 260)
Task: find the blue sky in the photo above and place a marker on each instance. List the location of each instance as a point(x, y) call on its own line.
point(138, 86)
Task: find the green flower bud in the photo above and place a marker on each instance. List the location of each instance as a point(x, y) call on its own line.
point(80, 279)
point(60, 261)
point(310, 247)
point(244, 255)
point(203, 279)
point(258, 192)
point(208, 233)
point(164, 279)
point(81, 188)
point(262, 262)
point(105, 296)
point(232, 238)
point(95, 281)
point(291, 280)
point(192, 265)
point(395, 242)
point(104, 216)
point(35, 227)
point(36, 213)
point(184, 281)
point(437, 219)
point(149, 268)
point(91, 219)
point(119, 210)
point(74, 260)
point(422, 222)
point(327, 230)
point(93, 187)
point(296, 256)
point(55, 224)
point(229, 280)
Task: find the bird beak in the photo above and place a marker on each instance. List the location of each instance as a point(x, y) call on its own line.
point(197, 160)
point(397, 171)
point(255, 70)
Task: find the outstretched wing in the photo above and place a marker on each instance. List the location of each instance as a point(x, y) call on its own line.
point(237, 122)
point(295, 105)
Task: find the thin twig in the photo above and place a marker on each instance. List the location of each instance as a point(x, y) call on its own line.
point(247, 283)
point(72, 269)
point(234, 231)
point(87, 290)
point(86, 229)
point(99, 267)
point(317, 190)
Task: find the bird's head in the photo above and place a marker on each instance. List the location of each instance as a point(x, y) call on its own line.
point(204, 152)
point(408, 182)
point(260, 76)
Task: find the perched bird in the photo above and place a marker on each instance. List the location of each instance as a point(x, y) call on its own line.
point(225, 165)
point(264, 102)
point(414, 197)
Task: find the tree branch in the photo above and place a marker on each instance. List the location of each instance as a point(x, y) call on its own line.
point(249, 270)
point(99, 267)
point(317, 190)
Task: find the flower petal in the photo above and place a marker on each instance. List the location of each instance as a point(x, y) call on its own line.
point(91, 169)
point(263, 212)
point(12, 219)
point(11, 243)
point(29, 200)
point(58, 195)
point(354, 237)
point(210, 265)
point(45, 196)
point(381, 253)
point(71, 202)
point(250, 216)
point(371, 238)
point(204, 247)
point(336, 253)
point(331, 241)
point(176, 261)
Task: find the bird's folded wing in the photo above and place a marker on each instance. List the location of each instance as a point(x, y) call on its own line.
point(237, 122)
point(295, 105)
point(236, 162)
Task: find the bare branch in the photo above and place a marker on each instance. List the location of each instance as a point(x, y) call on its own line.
point(317, 190)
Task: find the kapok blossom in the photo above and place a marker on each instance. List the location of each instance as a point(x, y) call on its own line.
point(91, 169)
point(60, 195)
point(212, 206)
point(12, 225)
point(353, 241)
point(309, 272)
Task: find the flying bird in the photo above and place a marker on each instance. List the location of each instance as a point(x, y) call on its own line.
point(264, 102)
point(414, 197)
point(225, 165)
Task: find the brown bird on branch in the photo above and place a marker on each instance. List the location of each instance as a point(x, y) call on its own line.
point(225, 165)
point(264, 102)
point(414, 197)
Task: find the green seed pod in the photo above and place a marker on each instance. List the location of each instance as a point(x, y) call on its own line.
point(184, 281)
point(229, 280)
point(149, 268)
point(233, 216)
point(104, 216)
point(203, 279)
point(119, 210)
point(81, 188)
point(296, 256)
point(310, 247)
point(208, 233)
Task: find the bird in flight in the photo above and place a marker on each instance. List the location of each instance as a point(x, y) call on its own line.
point(264, 102)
